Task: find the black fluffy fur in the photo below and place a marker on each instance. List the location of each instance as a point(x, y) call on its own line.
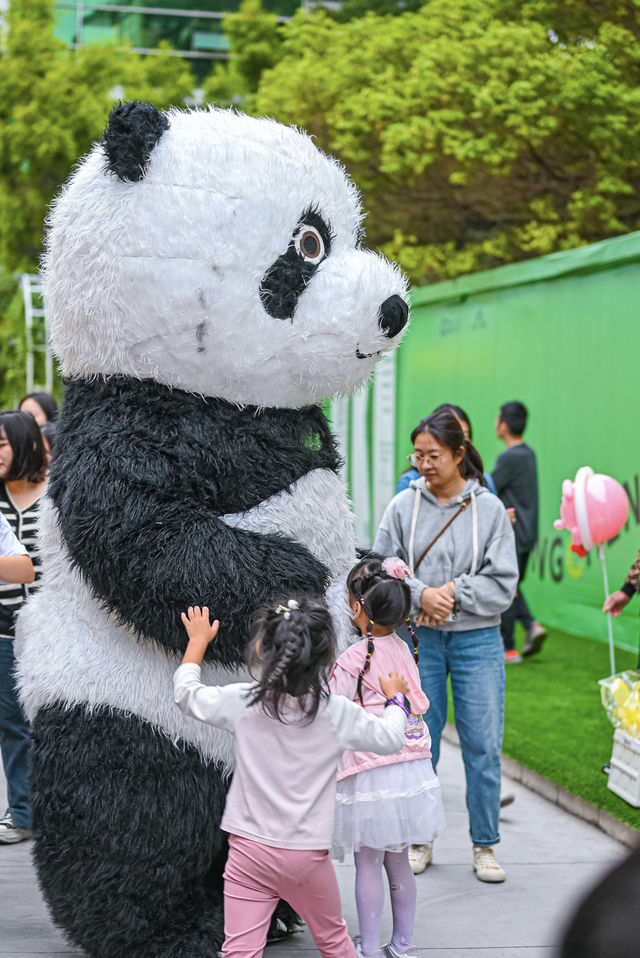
point(287, 278)
point(131, 134)
point(142, 474)
point(127, 844)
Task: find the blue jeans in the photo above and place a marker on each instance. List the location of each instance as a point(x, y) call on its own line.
point(15, 740)
point(475, 662)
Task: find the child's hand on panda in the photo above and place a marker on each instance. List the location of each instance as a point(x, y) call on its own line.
point(200, 632)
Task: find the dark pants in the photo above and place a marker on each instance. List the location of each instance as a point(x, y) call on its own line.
point(518, 610)
point(15, 740)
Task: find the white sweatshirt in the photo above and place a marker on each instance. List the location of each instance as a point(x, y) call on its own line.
point(283, 788)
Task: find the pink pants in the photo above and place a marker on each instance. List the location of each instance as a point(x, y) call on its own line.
point(257, 876)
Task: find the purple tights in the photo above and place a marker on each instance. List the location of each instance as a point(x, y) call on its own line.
point(370, 898)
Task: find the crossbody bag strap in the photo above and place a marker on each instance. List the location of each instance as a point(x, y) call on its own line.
point(474, 524)
point(463, 506)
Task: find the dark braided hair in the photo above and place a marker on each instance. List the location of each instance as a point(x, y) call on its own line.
point(385, 600)
point(290, 654)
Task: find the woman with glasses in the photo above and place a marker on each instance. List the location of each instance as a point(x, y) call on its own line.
point(458, 542)
point(465, 424)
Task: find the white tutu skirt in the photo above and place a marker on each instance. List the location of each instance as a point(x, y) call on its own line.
point(388, 807)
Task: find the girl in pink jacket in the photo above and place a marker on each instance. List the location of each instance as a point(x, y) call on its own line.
point(384, 803)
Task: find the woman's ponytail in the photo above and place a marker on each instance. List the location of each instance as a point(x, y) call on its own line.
point(472, 466)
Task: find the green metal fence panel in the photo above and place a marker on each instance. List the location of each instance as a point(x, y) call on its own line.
point(560, 333)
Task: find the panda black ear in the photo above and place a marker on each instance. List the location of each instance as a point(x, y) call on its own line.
point(133, 131)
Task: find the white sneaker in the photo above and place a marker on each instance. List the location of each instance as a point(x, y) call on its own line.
point(391, 953)
point(485, 865)
point(534, 638)
point(9, 833)
point(420, 857)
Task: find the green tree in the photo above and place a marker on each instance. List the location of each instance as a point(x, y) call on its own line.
point(53, 105)
point(573, 22)
point(360, 8)
point(476, 140)
point(255, 45)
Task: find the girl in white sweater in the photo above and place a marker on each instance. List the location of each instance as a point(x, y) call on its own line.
point(290, 734)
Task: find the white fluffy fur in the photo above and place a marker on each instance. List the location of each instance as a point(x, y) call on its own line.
point(316, 513)
point(187, 247)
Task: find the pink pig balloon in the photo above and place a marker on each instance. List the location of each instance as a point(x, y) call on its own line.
point(594, 508)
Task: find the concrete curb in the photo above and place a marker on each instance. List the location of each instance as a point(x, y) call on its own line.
point(566, 800)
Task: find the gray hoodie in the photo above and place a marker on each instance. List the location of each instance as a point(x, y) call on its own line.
point(477, 551)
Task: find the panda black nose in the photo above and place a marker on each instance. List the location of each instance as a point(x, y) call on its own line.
point(393, 316)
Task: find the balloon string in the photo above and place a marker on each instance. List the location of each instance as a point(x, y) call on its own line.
point(606, 595)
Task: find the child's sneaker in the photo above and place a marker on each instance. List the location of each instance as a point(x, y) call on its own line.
point(390, 952)
point(420, 857)
point(485, 865)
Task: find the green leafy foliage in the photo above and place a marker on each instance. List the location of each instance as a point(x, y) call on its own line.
point(53, 105)
point(476, 139)
point(255, 43)
point(360, 8)
point(478, 133)
point(573, 22)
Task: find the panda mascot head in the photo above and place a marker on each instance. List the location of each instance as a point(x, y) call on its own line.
point(219, 254)
point(206, 286)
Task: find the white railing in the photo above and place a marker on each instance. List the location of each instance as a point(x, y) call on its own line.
point(37, 333)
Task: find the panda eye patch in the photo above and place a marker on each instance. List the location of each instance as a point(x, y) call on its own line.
point(290, 274)
point(309, 244)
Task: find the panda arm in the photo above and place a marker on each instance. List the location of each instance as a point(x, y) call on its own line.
point(146, 560)
point(141, 479)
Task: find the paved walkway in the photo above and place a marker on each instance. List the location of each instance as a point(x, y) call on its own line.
point(551, 859)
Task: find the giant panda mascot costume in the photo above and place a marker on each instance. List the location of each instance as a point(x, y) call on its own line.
point(206, 288)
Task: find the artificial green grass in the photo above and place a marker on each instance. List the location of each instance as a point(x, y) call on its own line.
point(555, 723)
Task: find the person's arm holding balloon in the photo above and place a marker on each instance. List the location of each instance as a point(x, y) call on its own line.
point(615, 603)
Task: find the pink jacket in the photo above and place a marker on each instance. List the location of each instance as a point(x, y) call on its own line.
point(391, 655)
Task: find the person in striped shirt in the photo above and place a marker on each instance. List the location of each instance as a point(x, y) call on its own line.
point(23, 469)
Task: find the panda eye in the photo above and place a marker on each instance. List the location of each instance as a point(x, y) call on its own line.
point(309, 244)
